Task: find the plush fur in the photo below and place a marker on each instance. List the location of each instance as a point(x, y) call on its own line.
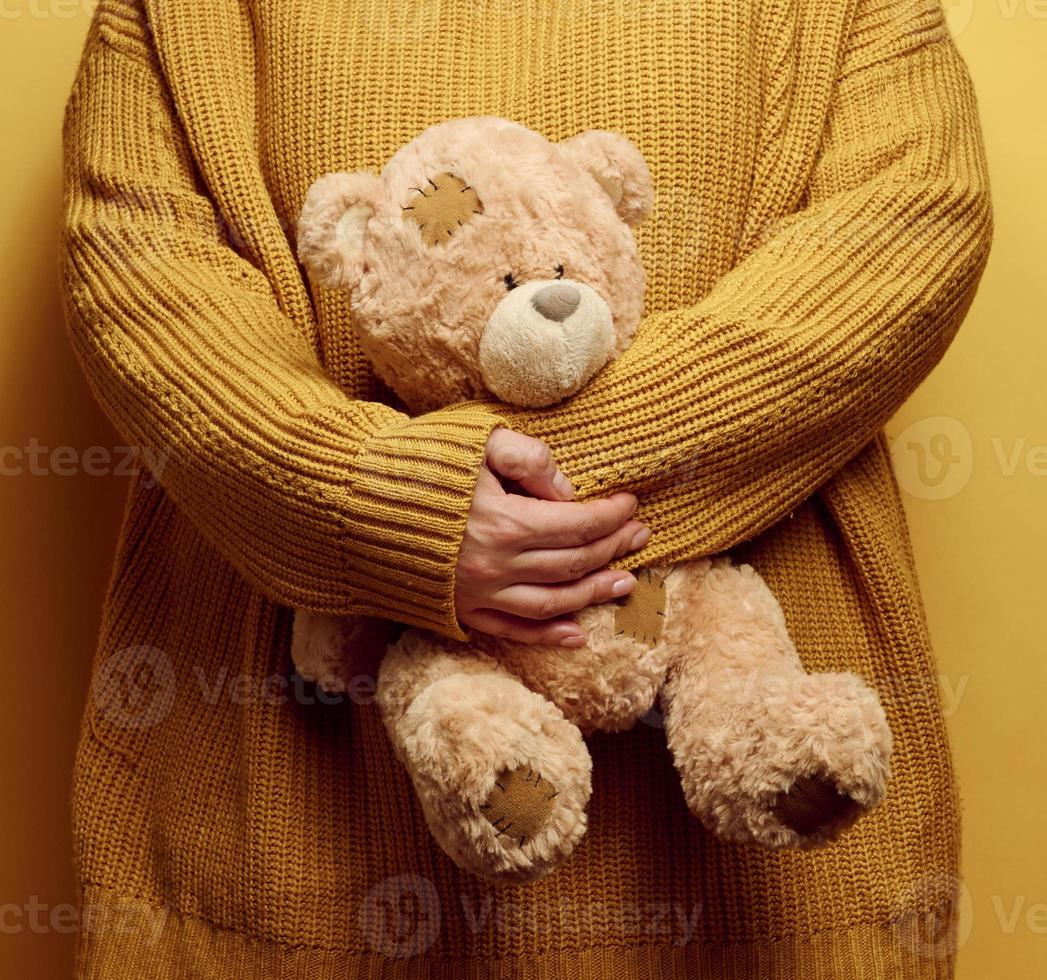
point(420, 310)
point(525, 289)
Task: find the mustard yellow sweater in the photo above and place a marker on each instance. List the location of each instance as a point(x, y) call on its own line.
point(821, 221)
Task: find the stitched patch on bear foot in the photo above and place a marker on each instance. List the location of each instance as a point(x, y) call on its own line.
point(641, 614)
point(520, 804)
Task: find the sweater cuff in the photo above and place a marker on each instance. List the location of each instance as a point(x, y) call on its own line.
point(412, 487)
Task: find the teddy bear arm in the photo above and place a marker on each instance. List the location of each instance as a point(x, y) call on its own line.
point(766, 752)
point(338, 652)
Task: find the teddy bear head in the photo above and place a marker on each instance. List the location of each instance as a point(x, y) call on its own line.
point(486, 260)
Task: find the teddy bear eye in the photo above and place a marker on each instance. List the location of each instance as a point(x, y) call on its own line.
point(510, 282)
point(559, 271)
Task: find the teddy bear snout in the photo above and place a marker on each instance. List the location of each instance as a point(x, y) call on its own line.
point(557, 301)
point(544, 340)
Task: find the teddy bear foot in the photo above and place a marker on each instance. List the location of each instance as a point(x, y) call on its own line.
point(503, 777)
point(793, 763)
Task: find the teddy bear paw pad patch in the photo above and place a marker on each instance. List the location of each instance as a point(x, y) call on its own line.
point(813, 803)
point(641, 614)
point(519, 804)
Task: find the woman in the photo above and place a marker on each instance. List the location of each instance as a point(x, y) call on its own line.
point(820, 225)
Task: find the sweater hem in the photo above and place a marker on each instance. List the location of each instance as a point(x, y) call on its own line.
point(124, 936)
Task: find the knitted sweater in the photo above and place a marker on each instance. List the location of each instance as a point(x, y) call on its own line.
point(820, 223)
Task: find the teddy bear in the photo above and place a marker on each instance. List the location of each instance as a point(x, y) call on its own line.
point(487, 260)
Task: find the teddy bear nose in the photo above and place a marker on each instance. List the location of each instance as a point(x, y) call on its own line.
point(557, 301)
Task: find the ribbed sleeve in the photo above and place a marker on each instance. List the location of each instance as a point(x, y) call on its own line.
point(321, 501)
point(724, 415)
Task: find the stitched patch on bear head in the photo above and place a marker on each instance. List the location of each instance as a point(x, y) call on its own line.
point(441, 207)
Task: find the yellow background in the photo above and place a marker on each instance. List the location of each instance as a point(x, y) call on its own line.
point(969, 447)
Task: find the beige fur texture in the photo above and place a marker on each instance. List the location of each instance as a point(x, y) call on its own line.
point(525, 289)
point(421, 310)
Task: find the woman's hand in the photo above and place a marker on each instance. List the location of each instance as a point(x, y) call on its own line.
point(528, 562)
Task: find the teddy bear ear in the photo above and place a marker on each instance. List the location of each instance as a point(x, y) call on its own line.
point(618, 167)
point(332, 227)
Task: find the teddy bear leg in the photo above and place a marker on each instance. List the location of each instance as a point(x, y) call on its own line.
point(765, 751)
point(502, 776)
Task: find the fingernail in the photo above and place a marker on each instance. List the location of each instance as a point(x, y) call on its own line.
point(573, 640)
point(563, 486)
point(640, 538)
point(623, 586)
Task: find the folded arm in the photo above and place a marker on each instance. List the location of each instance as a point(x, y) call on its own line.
point(731, 411)
point(321, 501)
